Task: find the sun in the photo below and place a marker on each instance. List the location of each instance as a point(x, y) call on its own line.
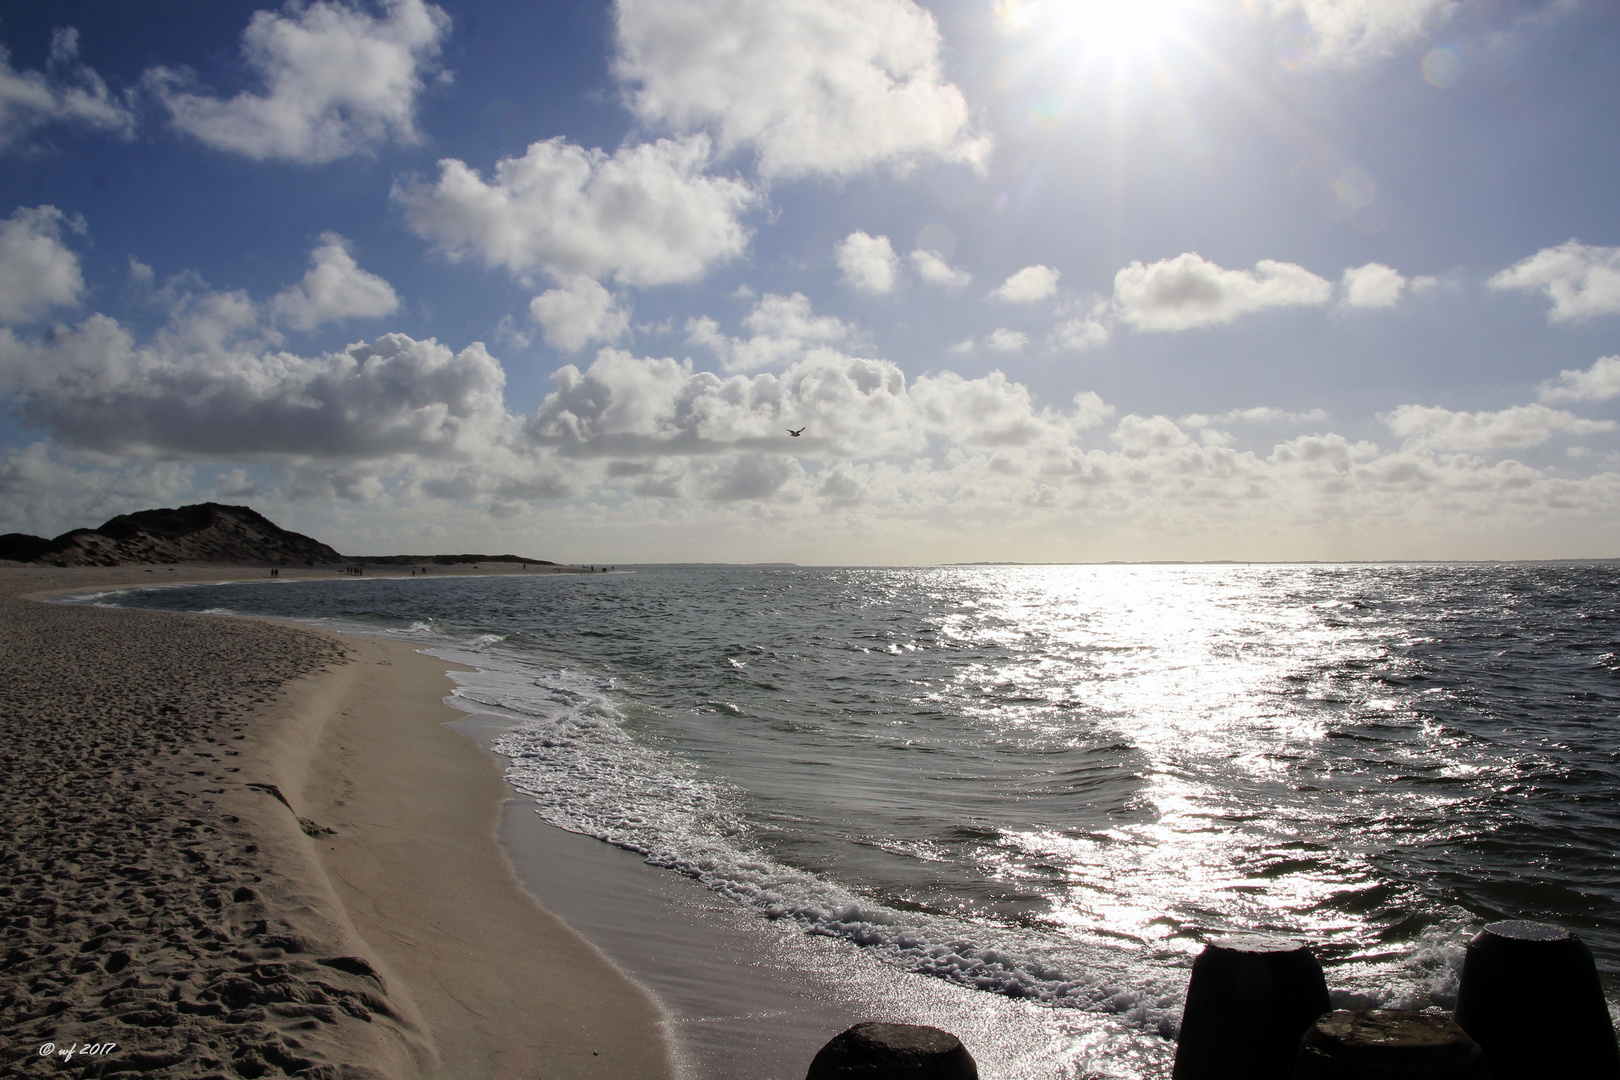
point(1109, 27)
point(1121, 25)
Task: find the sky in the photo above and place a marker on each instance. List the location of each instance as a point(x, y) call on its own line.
point(1036, 280)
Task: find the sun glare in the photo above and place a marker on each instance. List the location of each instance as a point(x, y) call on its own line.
point(1114, 27)
point(1120, 25)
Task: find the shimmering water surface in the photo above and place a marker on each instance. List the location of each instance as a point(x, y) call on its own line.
point(1058, 782)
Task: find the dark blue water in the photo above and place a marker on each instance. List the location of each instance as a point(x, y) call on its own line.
point(1057, 782)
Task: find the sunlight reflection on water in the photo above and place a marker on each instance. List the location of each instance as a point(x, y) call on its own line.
point(1060, 781)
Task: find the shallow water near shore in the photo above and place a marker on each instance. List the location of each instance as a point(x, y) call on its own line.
point(1055, 783)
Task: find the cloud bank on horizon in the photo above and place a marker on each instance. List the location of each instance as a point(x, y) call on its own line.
point(1040, 280)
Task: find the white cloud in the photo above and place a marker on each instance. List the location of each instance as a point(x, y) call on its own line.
point(995, 412)
point(857, 409)
point(646, 215)
point(337, 82)
point(580, 312)
point(1028, 285)
point(1346, 33)
point(1600, 382)
point(1189, 291)
point(1260, 414)
point(209, 385)
point(1371, 286)
point(37, 271)
point(783, 331)
point(1435, 428)
point(812, 86)
point(68, 92)
point(334, 288)
point(933, 269)
point(625, 406)
point(789, 317)
point(868, 263)
point(1145, 436)
point(1579, 279)
point(944, 469)
point(1005, 340)
point(46, 492)
point(1082, 332)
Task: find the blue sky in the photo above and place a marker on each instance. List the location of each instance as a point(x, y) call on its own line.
point(1186, 279)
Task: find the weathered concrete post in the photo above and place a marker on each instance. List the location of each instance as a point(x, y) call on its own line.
point(1248, 1002)
point(1388, 1044)
point(893, 1052)
point(1530, 996)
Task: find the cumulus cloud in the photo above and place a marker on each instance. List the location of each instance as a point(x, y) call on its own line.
point(1600, 382)
point(812, 86)
point(783, 330)
point(211, 403)
point(644, 215)
point(624, 406)
point(1028, 285)
point(208, 385)
point(580, 312)
point(337, 81)
point(1260, 414)
point(868, 263)
point(1005, 340)
point(335, 288)
point(1144, 436)
point(1579, 279)
point(1346, 33)
point(995, 412)
point(1189, 291)
point(1371, 286)
point(67, 92)
point(1517, 427)
point(37, 271)
point(46, 492)
point(1082, 332)
point(894, 471)
point(933, 268)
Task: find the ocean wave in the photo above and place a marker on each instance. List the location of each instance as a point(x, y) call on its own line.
point(569, 751)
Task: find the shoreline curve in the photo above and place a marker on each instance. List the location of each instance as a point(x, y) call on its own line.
point(283, 862)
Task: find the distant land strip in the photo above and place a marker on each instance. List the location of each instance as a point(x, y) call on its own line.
point(206, 533)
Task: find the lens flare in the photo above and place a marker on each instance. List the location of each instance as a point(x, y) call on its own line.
point(1294, 46)
point(1354, 190)
point(1047, 114)
point(1442, 68)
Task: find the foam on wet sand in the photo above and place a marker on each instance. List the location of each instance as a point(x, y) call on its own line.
point(229, 846)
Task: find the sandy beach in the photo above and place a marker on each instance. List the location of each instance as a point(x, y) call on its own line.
point(231, 847)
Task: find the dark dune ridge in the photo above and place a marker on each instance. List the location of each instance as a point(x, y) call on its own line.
point(213, 533)
point(202, 532)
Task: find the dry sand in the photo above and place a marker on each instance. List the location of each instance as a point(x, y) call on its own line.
point(236, 848)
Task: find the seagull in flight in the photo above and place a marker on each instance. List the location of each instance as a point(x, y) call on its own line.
point(796, 434)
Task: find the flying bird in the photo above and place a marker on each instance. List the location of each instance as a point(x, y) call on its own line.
point(796, 434)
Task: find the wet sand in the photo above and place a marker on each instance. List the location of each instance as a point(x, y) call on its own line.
point(230, 847)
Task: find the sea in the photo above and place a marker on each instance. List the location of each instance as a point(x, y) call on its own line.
point(1052, 785)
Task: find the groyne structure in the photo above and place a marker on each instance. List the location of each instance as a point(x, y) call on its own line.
point(1530, 1004)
